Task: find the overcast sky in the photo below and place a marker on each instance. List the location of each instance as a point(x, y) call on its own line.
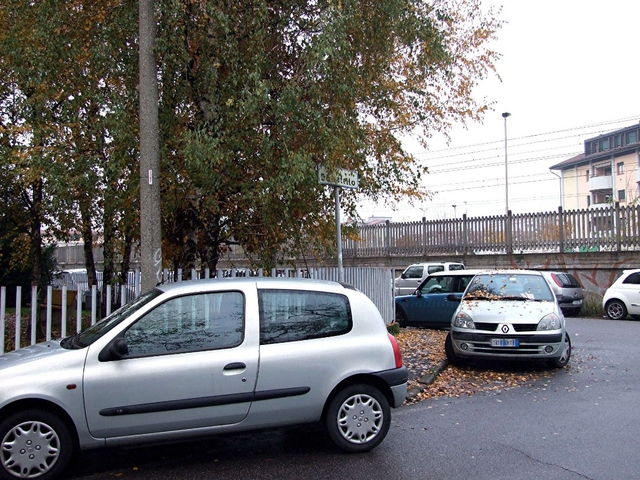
point(569, 71)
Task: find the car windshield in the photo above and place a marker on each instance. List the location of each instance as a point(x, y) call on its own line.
point(89, 335)
point(509, 286)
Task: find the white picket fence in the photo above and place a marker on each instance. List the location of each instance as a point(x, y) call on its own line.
point(63, 304)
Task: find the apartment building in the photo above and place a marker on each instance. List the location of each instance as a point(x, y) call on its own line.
point(608, 171)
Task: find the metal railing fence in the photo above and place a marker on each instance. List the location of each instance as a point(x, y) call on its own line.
point(67, 311)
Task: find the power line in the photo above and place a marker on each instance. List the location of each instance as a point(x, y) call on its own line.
point(609, 122)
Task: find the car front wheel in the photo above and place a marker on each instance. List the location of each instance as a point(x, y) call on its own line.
point(452, 358)
point(34, 444)
point(616, 310)
point(358, 418)
point(566, 353)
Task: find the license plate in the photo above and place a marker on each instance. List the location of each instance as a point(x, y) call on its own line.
point(505, 342)
point(577, 302)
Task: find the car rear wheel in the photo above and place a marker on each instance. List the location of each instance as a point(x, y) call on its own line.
point(401, 317)
point(566, 353)
point(34, 444)
point(616, 310)
point(358, 418)
point(452, 358)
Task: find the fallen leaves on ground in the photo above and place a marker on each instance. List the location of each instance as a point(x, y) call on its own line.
point(423, 351)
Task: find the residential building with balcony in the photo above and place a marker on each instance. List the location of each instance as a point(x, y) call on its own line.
point(607, 172)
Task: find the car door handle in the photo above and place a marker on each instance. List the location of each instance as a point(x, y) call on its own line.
point(234, 366)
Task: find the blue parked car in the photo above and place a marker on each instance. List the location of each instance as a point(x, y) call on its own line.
point(428, 305)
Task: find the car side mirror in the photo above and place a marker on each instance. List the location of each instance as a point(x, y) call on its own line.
point(418, 292)
point(114, 351)
point(403, 276)
point(454, 297)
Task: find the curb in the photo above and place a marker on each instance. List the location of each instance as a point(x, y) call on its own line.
point(427, 379)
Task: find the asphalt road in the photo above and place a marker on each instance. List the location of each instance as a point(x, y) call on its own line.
point(576, 423)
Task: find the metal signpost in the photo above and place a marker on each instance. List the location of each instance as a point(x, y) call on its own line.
point(338, 178)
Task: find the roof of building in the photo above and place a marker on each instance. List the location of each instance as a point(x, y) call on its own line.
point(606, 154)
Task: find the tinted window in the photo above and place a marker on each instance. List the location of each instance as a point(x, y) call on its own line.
point(203, 321)
point(436, 268)
point(456, 266)
point(413, 272)
point(291, 315)
point(569, 280)
point(633, 278)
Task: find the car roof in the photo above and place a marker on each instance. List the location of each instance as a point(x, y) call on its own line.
point(449, 273)
point(507, 271)
point(260, 282)
point(423, 264)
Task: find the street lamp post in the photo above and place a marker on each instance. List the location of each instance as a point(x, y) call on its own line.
point(506, 169)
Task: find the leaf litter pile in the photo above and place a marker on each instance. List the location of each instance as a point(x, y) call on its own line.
point(423, 354)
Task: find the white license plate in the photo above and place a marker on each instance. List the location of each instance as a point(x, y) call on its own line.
point(577, 302)
point(505, 342)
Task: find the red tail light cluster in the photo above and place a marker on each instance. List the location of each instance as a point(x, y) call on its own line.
point(396, 350)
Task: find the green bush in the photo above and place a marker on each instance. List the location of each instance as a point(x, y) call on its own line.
point(393, 328)
point(592, 306)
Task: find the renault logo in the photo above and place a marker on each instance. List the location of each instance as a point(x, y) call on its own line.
point(505, 328)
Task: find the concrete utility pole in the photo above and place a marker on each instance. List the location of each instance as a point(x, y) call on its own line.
point(150, 233)
point(506, 168)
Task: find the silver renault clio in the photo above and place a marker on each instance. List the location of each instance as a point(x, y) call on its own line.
point(198, 358)
point(508, 315)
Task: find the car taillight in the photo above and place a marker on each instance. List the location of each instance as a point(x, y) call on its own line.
point(556, 279)
point(396, 350)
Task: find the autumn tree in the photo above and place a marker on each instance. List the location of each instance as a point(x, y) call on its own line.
point(256, 95)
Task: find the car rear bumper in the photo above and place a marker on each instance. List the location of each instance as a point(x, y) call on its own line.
point(397, 380)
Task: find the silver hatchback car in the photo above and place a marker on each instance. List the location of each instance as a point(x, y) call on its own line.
point(198, 358)
point(509, 315)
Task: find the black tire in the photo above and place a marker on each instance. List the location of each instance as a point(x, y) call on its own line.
point(572, 312)
point(358, 418)
point(452, 358)
point(563, 360)
point(401, 317)
point(34, 444)
point(616, 309)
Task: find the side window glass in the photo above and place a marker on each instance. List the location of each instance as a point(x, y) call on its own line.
point(634, 278)
point(437, 285)
point(414, 272)
point(291, 315)
point(462, 284)
point(436, 268)
point(205, 321)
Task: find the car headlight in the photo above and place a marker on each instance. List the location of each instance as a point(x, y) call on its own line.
point(550, 322)
point(463, 320)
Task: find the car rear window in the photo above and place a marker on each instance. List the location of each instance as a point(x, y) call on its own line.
point(293, 315)
point(568, 280)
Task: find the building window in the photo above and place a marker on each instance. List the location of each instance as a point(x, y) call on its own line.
point(620, 168)
point(622, 195)
point(587, 174)
point(593, 147)
point(589, 201)
point(632, 137)
point(617, 141)
point(604, 144)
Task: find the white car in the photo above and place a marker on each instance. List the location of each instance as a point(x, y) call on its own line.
point(197, 358)
point(509, 315)
point(414, 275)
point(623, 297)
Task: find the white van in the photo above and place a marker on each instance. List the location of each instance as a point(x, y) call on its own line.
point(414, 274)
